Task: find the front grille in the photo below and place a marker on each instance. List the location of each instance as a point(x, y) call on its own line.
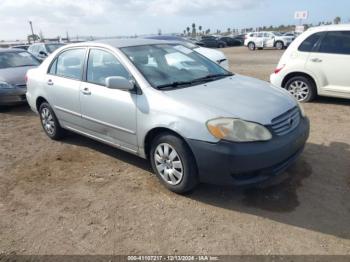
point(286, 122)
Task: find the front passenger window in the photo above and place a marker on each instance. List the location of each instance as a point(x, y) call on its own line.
point(102, 64)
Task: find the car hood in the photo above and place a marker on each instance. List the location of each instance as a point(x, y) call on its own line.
point(14, 75)
point(238, 97)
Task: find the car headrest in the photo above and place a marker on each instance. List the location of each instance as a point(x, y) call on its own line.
point(71, 61)
point(108, 59)
point(140, 59)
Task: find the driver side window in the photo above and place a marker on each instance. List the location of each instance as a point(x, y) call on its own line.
point(102, 64)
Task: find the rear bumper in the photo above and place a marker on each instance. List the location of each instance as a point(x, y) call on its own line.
point(276, 79)
point(241, 164)
point(12, 96)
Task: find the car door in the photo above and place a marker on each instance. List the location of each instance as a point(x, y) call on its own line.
point(269, 39)
point(108, 114)
point(63, 85)
point(330, 62)
point(259, 40)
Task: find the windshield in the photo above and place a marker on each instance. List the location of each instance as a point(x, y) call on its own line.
point(17, 59)
point(53, 47)
point(168, 66)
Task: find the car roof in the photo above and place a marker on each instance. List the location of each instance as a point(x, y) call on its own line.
point(322, 28)
point(127, 42)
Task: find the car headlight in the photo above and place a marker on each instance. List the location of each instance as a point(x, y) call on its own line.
point(238, 130)
point(5, 85)
point(302, 111)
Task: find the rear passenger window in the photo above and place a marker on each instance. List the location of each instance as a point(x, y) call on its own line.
point(337, 42)
point(103, 64)
point(310, 42)
point(70, 64)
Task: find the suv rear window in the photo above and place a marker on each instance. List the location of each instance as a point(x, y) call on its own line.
point(336, 42)
point(310, 42)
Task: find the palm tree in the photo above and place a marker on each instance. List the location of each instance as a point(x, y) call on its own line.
point(188, 30)
point(193, 30)
point(200, 29)
point(337, 20)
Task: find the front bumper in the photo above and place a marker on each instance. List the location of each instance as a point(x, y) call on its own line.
point(12, 96)
point(241, 164)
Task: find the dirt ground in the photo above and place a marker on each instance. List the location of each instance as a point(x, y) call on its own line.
point(78, 196)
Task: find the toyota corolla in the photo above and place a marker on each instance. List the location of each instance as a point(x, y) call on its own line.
point(194, 120)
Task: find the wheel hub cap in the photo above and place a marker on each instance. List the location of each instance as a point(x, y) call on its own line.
point(299, 89)
point(47, 121)
point(169, 164)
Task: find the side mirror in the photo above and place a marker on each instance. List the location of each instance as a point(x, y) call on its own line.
point(42, 53)
point(118, 82)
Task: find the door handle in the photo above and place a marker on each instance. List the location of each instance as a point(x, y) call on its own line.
point(86, 91)
point(316, 60)
point(49, 82)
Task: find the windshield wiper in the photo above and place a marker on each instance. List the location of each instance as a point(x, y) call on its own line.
point(175, 84)
point(201, 79)
point(211, 77)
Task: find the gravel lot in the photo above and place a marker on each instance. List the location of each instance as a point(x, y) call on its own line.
point(81, 197)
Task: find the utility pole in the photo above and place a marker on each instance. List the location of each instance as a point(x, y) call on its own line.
point(31, 28)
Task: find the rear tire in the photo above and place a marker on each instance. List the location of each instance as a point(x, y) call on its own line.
point(302, 88)
point(173, 163)
point(50, 123)
point(251, 46)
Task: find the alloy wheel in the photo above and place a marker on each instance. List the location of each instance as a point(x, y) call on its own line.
point(47, 121)
point(168, 164)
point(299, 89)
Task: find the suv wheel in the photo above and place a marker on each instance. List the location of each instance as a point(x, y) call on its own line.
point(49, 122)
point(173, 163)
point(302, 88)
point(279, 45)
point(251, 46)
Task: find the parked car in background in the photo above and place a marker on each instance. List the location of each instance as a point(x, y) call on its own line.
point(230, 41)
point(240, 38)
point(316, 63)
point(210, 41)
point(263, 39)
point(42, 50)
point(194, 124)
point(14, 65)
point(24, 47)
point(214, 55)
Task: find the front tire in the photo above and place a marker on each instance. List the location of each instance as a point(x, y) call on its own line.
point(302, 88)
point(173, 163)
point(49, 122)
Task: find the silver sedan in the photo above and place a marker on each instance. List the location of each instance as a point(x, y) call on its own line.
point(194, 120)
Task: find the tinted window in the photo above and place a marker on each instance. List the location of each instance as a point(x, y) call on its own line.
point(70, 63)
point(336, 43)
point(103, 64)
point(17, 59)
point(310, 42)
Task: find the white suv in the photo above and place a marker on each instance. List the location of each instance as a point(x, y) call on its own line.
point(316, 63)
point(262, 40)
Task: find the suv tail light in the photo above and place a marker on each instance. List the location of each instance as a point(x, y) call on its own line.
point(278, 69)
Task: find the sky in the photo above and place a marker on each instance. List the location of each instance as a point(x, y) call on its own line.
point(129, 17)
